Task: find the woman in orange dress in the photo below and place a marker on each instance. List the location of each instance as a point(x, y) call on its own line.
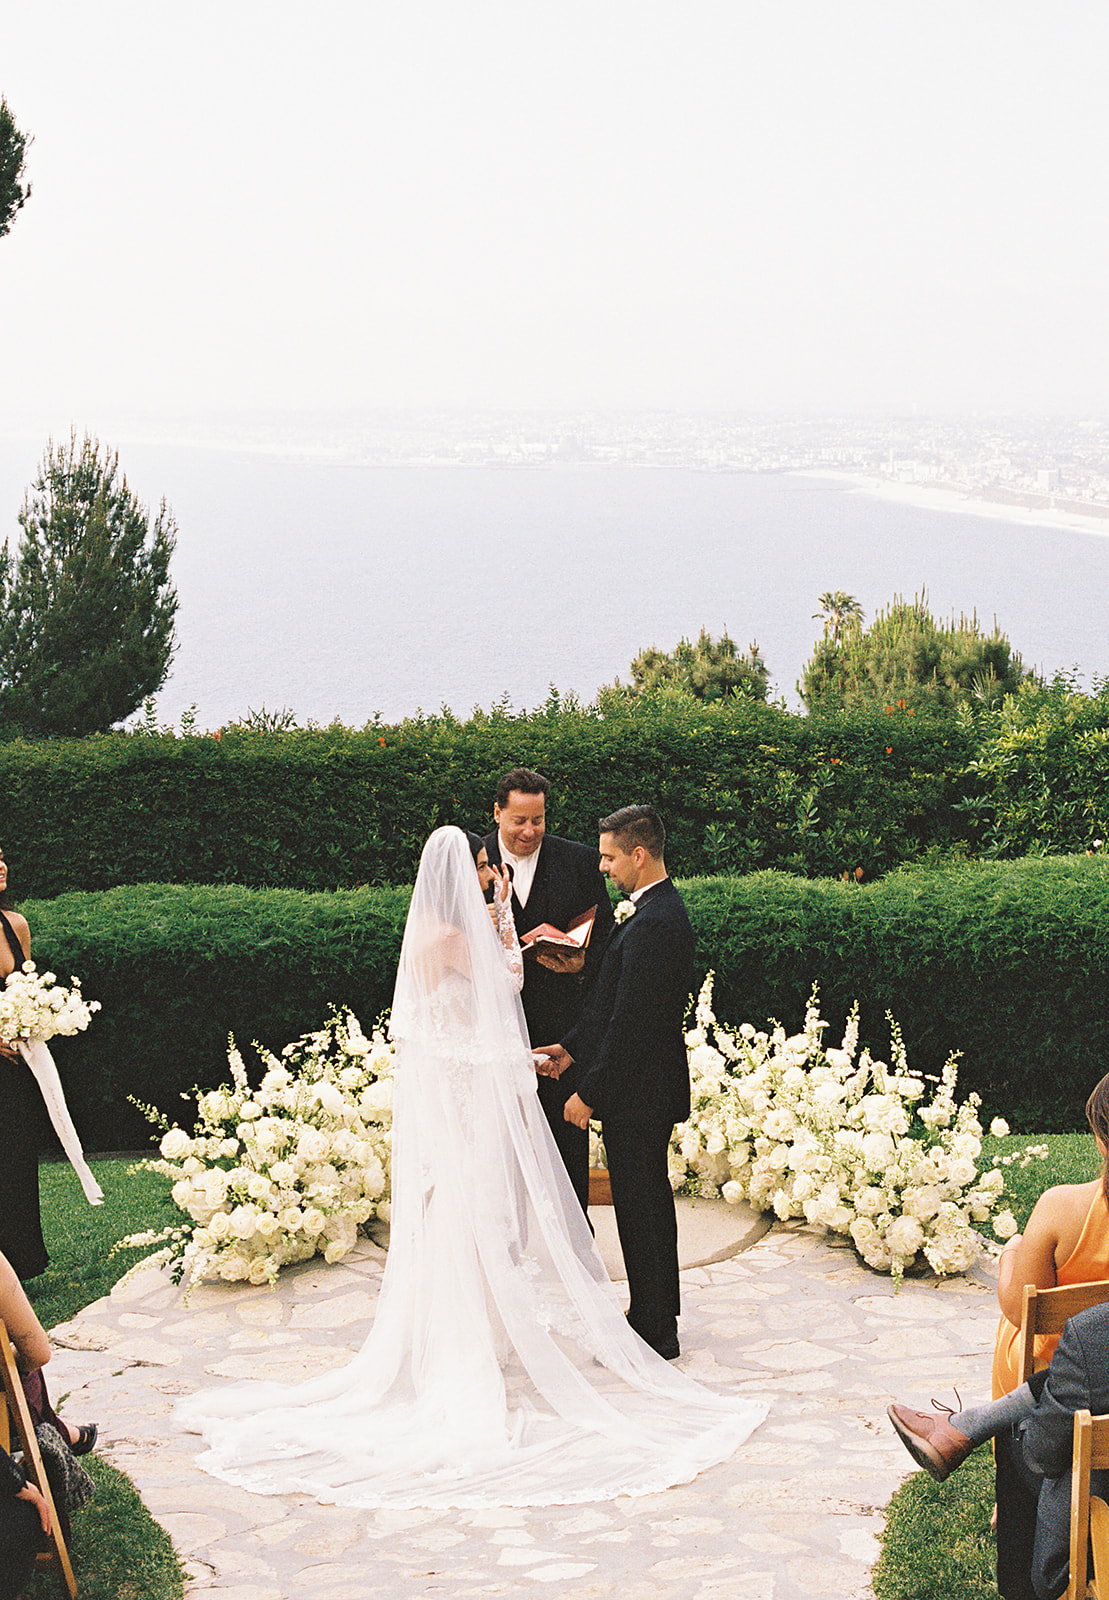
point(1066, 1240)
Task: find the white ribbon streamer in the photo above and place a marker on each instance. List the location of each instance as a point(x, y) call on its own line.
point(41, 1063)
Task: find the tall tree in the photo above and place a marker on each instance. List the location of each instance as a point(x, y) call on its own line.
point(909, 660)
point(86, 605)
point(710, 669)
point(13, 152)
point(838, 609)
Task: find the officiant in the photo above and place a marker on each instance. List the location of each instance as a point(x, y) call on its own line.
point(554, 880)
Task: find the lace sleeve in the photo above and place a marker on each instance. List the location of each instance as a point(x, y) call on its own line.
point(506, 928)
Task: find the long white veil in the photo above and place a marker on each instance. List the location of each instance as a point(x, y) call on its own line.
point(500, 1369)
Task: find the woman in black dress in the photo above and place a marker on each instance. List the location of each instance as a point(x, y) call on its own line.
point(21, 1114)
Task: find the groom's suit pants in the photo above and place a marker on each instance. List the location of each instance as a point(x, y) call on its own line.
point(636, 1148)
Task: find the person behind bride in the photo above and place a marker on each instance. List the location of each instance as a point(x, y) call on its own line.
point(553, 880)
point(499, 1369)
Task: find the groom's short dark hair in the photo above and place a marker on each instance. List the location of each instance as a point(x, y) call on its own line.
point(636, 825)
point(522, 780)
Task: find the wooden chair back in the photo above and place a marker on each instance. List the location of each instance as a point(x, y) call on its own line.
point(17, 1408)
point(1048, 1311)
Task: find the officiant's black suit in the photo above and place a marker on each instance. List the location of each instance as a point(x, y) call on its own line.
point(567, 882)
point(629, 1047)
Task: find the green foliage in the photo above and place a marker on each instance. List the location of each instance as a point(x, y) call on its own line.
point(14, 193)
point(711, 669)
point(741, 786)
point(937, 1543)
point(1002, 961)
point(1042, 771)
point(908, 659)
point(86, 608)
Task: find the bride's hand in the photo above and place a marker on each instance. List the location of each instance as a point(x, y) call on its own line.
point(503, 883)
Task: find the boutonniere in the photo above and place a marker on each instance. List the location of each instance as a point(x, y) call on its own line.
point(624, 910)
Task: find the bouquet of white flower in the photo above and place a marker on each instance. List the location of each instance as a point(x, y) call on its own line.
point(833, 1136)
point(34, 1007)
point(285, 1171)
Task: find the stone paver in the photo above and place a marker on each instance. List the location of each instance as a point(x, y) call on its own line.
point(793, 1515)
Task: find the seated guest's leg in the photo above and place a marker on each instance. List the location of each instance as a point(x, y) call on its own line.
point(21, 1536)
point(1017, 1499)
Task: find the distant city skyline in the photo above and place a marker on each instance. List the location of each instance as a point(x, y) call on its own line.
point(736, 206)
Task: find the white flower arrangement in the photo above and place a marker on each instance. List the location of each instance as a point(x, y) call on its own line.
point(285, 1171)
point(831, 1135)
point(623, 911)
point(35, 1007)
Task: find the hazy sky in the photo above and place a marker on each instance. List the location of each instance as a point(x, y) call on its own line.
point(674, 203)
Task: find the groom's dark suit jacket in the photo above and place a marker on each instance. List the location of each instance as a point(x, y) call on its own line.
point(1034, 1462)
point(634, 1075)
point(630, 1040)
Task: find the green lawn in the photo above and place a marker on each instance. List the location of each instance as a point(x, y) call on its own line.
point(118, 1551)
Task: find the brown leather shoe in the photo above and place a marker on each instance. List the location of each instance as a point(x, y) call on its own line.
point(931, 1440)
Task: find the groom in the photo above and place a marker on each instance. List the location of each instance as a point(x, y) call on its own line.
point(629, 1050)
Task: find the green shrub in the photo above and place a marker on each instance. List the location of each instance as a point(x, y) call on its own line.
point(741, 786)
point(1003, 961)
point(1041, 778)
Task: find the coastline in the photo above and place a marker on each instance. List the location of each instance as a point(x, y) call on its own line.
point(953, 497)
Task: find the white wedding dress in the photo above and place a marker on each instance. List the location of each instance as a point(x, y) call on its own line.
point(500, 1370)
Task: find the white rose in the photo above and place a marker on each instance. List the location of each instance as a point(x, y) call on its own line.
point(732, 1192)
point(999, 1128)
point(256, 1273)
point(313, 1145)
point(962, 1171)
point(312, 1221)
point(923, 1203)
point(869, 1201)
point(175, 1145)
point(243, 1222)
point(232, 1268)
point(1005, 1224)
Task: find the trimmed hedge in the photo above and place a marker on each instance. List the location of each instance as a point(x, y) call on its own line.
point(741, 786)
point(1003, 961)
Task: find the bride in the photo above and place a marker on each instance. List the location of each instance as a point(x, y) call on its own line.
point(500, 1369)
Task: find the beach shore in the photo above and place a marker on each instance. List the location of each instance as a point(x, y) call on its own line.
point(952, 497)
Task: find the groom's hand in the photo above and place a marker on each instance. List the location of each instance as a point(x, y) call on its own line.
point(555, 1060)
point(577, 1112)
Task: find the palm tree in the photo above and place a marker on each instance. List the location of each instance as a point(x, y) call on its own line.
point(837, 610)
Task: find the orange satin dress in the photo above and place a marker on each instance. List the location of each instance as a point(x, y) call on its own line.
point(1087, 1262)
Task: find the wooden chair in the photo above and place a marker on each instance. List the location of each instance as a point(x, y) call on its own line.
point(57, 1555)
point(1089, 1515)
point(1048, 1311)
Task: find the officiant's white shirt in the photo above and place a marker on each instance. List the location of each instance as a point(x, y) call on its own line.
point(523, 869)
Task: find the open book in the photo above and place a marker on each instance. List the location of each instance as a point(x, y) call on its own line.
point(548, 937)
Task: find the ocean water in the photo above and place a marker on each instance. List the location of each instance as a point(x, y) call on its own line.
point(348, 591)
